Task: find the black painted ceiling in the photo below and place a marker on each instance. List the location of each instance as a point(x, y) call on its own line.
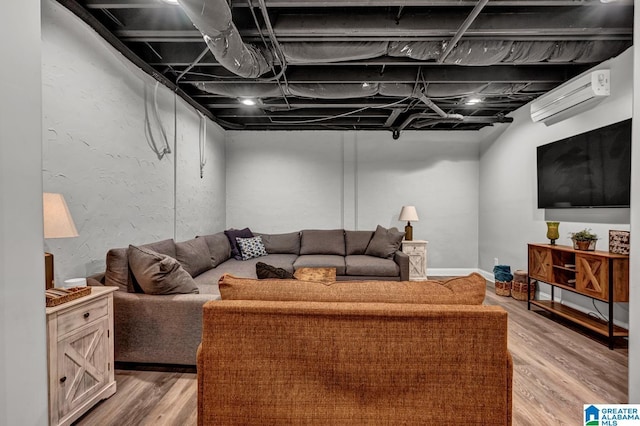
point(369, 64)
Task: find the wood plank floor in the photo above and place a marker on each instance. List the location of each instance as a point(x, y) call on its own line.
point(556, 370)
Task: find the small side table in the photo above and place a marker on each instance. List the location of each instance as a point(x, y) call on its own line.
point(80, 354)
point(417, 252)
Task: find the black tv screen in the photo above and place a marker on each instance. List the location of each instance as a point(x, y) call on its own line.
point(592, 169)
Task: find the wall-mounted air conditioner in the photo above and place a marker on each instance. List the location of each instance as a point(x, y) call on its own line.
point(571, 98)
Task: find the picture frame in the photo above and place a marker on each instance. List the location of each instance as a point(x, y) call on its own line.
point(619, 241)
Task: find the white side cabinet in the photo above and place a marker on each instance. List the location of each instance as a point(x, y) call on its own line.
point(417, 252)
point(80, 354)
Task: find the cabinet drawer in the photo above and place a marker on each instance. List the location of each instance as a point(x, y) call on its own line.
point(413, 250)
point(81, 315)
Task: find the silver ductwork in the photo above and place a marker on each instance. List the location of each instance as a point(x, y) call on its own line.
point(213, 19)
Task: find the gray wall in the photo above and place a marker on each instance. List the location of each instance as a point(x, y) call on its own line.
point(23, 371)
point(509, 217)
point(100, 121)
point(284, 181)
point(634, 314)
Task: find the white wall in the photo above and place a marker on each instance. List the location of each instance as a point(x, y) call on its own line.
point(509, 217)
point(23, 372)
point(634, 302)
point(99, 125)
point(285, 181)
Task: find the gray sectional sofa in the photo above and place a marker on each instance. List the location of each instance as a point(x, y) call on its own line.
point(166, 329)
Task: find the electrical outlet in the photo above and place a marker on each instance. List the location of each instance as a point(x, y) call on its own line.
point(495, 261)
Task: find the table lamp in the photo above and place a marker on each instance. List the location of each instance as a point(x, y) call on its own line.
point(408, 213)
point(58, 223)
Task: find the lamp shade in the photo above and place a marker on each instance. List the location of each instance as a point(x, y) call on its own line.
point(57, 219)
point(408, 213)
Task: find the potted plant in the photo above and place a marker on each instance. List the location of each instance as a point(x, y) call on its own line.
point(584, 240)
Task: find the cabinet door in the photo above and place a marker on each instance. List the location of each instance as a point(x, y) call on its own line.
point(592, 276)
point(83, 365)
point(540, 263)
point(417, 255)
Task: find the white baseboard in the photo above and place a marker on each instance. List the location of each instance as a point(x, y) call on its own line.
point(450, 272)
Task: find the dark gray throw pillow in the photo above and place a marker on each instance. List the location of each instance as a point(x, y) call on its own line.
point(158, 273)
point(232, 234)
point(264, 271)
point(385, 242)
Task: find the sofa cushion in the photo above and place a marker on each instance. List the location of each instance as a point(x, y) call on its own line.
point(250, 248)
point(384, 243)
point(356, 242)
point(219, 247)
point(330, 241)
point(194, 256)
point(281, 243)
point(321, 261)
point(264, 271)
point(232, 234)
point(371, 265)
point(158, 273)
point(325, 275)
point(469, 290)
point(167, 247)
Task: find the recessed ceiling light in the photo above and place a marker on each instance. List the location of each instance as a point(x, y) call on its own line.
point(248, 101)
point(473, 101)
point(174, 2)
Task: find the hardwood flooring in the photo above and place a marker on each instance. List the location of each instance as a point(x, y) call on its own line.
point(557, 369)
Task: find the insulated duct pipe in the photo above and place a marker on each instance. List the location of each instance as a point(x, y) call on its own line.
point(434, 120)
point(213, 20)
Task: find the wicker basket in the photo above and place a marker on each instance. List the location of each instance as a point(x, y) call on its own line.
point(503, 288)
point(519, 290)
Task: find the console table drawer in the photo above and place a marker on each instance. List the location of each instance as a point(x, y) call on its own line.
point(81, 315)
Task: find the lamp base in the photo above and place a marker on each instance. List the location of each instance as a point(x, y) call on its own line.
point(48, 271)
point(408, 232)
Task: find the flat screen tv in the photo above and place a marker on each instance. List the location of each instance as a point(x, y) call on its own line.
point(592, 169)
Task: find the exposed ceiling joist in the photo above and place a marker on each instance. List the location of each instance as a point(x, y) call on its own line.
point(543, 43)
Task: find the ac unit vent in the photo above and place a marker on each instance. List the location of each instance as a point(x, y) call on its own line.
point(571, 98)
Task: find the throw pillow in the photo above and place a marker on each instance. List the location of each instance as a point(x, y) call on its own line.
point(264, 271)
point(159, 274)
point(194, 256)
point(323, 275)
point(250, 248)
point(385, 242)
point(232, 234)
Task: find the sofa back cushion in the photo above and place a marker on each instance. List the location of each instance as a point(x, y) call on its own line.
point(158, 273)
point(469, 290)
point(356, 242)
point(219, 247)
point(194, 256)
point(325, 241)
point(281, 243)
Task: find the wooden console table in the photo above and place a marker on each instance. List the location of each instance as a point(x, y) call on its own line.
point(596, 274)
